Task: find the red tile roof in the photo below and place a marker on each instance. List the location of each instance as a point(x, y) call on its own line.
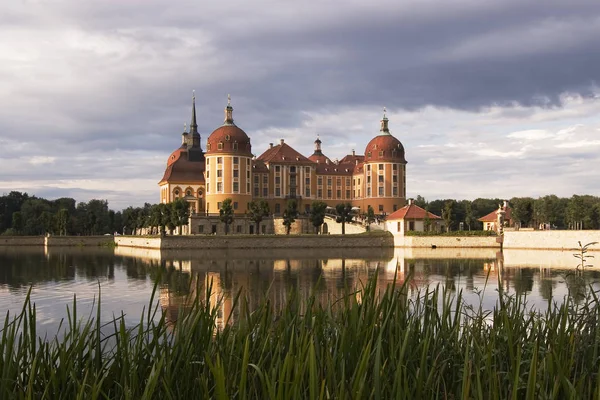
point(228, 135)
point(392, 149)
point(283, 154)
point(335, 169)
point(180, 169)
point(411, 211)
point(493, 217)
point(258, 166)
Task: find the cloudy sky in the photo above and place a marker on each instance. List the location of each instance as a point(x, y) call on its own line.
point(490, 98)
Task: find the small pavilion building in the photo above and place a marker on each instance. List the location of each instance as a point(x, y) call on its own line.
point(411, 217)
point(490, 221)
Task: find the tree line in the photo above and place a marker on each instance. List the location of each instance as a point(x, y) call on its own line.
point(575, 212)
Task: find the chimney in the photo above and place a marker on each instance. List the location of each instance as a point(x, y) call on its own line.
point(353, 152)
point(410, 201)
point(505, 204)
point(281, 141)
point(270, 145)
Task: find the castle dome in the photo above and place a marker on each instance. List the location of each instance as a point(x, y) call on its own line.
point(229, 138)
point(385, 147)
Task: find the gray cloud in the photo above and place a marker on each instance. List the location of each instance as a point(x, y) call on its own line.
point(104, 80)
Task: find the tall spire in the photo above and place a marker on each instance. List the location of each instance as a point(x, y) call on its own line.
point(193, 124)
point(228, 112)
point(385, 130)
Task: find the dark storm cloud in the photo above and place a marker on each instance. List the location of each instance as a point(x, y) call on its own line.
point(92, 79)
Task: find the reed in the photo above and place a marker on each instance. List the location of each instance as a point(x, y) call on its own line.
point(368, 344)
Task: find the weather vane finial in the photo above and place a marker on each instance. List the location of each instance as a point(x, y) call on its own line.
point(384, 111)
point(185, 126)
point(228, 99)
point(193, 94)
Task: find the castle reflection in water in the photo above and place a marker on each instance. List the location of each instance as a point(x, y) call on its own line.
point(326, 274)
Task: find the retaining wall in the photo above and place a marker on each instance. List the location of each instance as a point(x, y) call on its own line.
point(446, 241)
point(550, 240)
point(21, 241)
point(256, 242)
point(66, 241)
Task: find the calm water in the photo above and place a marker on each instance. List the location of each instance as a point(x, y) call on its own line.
point(126, 277)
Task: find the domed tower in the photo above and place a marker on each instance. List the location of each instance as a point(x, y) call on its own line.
point(318, 155)
point(228, 166)
point(384, 172)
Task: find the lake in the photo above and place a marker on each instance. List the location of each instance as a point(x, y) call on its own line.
point(125, 277)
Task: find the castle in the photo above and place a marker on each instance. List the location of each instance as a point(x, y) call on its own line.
point(229, 169)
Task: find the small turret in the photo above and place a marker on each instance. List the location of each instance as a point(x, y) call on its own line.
point(184, 135)
point(228, 112)
point(385, 130)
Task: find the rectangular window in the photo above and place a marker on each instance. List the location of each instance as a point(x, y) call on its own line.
point(236, 160)
point(411, 225)
point(380, 178)
point(347, 181)
point(277, 192)
point(307, 170)
point(395, 191)
point(219, 173)
point(328, 193)
point(338, 194)
point(399, 226)
point(277, 168)
point(277, 180)
point(265, 179)
point(219, 205)
point(256, 191)
point(248, 187)
point(319, 180)
point(293, 192)
point(219, 187)
point(395, 167)
point(293, 170)
point(277, 208)
point(307, 192)
point(320, 193)
point(359, 181)
point(219, 160)
point(265, 192)
point(248, 175)
point(329, 180)
point(368, 167)
point(238, 229)
point(381, 167)
point(368, 192)
point(256, 179)
point(381, 154)
point(369, 179)
point(263, 229)
point(395, 178)
point(220, 146)
point(201, 229)
point(348, 193)
point(381, 208)
point(292, 180)
point(207, 174)
point(307, 181)
point(236, 187)
point(339, 181)
point(235, 205)
point(207, 188)
point(381, 190)
point(236, 173)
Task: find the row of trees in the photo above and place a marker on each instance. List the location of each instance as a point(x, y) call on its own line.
point(576, 212)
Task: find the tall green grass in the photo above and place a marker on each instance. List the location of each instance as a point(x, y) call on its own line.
point(370, 344)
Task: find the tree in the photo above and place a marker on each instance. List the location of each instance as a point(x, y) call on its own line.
point(226, 214)
point(62, 221)
point(370, 217)
point(17, 222)
point(447, 214)
point(522, 210)
point(344, 214)
point(180, 213)
point(469, 218)
point(426, 221)
point(289, 215)
point(317, 214)
point(257, 211)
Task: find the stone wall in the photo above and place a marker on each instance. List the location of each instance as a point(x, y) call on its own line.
point(62, 241)
point(256, 242)
point(78, 241)
point(21, 241)
point(550, 240)
point(446, 241)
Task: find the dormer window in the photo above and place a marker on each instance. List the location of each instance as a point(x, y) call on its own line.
point(235, 145)
point(208, 146)
point(381, 154)
point(369, 154)
point(220, 146)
